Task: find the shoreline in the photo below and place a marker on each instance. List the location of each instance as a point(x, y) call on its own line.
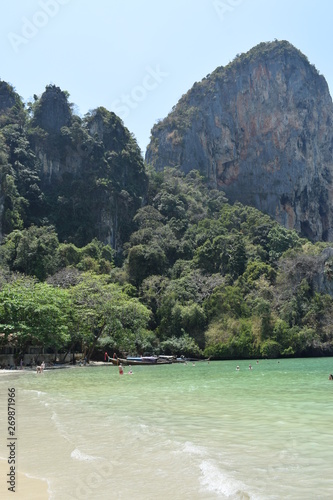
point(26, 487)
point(26, 370)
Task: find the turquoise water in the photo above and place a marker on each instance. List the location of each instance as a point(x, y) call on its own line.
point(178, 431)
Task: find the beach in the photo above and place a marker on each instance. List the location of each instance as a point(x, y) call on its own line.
point(205, 431)
point(26, 487)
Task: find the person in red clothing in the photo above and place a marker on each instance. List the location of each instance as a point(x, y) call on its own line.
point(106, 356)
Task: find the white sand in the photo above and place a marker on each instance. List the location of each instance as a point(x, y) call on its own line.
point(26, 488)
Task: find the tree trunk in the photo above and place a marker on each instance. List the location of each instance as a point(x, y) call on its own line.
point(92, 347)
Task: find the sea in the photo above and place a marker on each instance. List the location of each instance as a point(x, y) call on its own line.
point(202, 430)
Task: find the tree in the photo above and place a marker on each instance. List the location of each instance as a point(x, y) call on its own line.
point(106, 315)
point(270, 349)
point(144, 261)
point(13, 203)
point(227, 300)
point(184, 345)
point(280, 240)
point(33, 313)
point(32, 251)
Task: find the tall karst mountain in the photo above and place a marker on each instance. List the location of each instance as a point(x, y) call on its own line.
point(260, 129)
point(84, 176)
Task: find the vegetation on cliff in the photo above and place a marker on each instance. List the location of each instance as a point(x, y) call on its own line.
point(198, 277)
point(75, 174)
point(100, 252)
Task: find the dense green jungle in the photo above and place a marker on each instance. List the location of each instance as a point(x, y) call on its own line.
point(101, 252)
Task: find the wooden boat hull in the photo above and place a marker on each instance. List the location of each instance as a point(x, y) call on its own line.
point(136, 362)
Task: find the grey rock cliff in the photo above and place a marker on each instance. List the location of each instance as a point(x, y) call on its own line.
point(7, 97)
point(53, 110)
point(261, 130)
point(84, 176)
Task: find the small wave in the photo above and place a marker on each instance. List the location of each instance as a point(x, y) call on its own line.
point(79, 455)
point(216, 481)
point(30, 476)
point(192, 449)
point(39, 393)
point(60, 428)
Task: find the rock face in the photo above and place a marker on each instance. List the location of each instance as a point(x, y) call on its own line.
point(84, 176)
point(53, 110)
point(7, 97)
point(260, 129)
point(91, 170)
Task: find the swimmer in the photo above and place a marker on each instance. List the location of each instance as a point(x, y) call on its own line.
point(330, 377)
point(237, 368)
point(250, 367)
point(121, 371)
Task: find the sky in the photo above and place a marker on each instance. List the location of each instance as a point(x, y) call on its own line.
point(138, 57)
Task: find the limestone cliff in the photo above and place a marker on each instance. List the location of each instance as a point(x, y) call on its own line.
point(8, 97)
point(260, 129)
point(91, 170)
point(84, 176)
point(52, 110)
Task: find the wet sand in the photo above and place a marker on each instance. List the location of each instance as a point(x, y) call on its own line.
point(27, 370)
point(26, 488)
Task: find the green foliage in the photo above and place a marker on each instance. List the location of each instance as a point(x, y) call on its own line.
point(183, 272)
point(227, 300)
point(76, 174)
point(12, 203)
point(32, 251)
point(69, 254)
point(270, 349)
point(144, 260)
point(255, 270)
point(280, 240)
point(34, 313)
point(106, 315)
point(184, 345)
point(178, 320)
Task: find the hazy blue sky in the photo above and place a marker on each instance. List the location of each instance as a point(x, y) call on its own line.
point(137, 57)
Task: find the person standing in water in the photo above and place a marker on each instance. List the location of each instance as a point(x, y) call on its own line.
point(121, 371)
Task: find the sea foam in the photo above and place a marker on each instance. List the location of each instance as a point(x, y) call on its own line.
point(79, 455)
point(216, 481)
